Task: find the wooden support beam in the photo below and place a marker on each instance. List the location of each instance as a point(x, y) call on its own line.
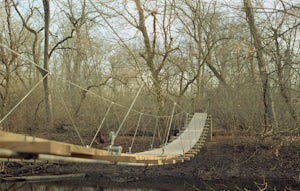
point(197, 150)
point(184, 158)
point(80, 150)
point(6, 136)
point(192, 152)
point(149, 161)
point(74, 149)
point(189, 155)
point(116, 158)
point(173, 161)
point(36, 147)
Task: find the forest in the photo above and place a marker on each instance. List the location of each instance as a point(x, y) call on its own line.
point(77, 62)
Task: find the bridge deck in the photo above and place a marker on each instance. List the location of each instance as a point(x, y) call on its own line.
point(184, 142)
point(15, 146)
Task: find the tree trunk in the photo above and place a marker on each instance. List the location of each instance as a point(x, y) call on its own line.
point(281, 81)
point(269, 119)
point(48, 102)
point(75, 92)
point(149, 58)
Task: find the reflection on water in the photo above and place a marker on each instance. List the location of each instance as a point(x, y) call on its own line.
point(166, 185)
point(25, 186)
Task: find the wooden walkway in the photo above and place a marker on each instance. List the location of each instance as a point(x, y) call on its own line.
point(184, 147)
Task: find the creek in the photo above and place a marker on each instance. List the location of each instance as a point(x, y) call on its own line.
point(58, 186)
point(81, 186)
point(150, 185)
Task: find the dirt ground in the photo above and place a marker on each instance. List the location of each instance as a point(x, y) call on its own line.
point(240, 163)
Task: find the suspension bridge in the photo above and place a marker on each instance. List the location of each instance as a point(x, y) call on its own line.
point(182, 146)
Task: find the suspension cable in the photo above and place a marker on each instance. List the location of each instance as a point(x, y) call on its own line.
point(165, 131)
point(170, 123)
point(188, 129)
point(70, 116)
point(135, 132)
point(185, 126)
point(133, 102)
point(181, 143)
point(154, 134)
point(28, 93)
point(101, 124)
point(24, 58)
point(110, 101)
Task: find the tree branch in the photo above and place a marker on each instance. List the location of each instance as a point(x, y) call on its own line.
point(61, 42)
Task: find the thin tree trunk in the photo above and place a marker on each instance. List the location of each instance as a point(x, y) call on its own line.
point(7, 61)
point(281, 82)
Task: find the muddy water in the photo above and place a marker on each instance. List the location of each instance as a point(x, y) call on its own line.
point(59, 186)
point(83, 185)
point(88, 186)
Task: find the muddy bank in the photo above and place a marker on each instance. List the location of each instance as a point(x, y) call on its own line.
point(219, 165)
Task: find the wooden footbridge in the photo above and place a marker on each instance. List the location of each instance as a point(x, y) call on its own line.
point(183, 147)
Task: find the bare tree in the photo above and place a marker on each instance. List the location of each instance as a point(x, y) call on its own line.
point(199, 21)
point(153, 22)
point(269, 118)
point(47, 52)
point(5, 70)
point(284, 35)
point(47, 91)
point(151, 46)
point(7, 59)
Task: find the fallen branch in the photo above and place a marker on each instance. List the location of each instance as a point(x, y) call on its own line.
point(45, 177)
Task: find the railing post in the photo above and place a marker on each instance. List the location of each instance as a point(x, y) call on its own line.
point(209, 120)
point(208, 124)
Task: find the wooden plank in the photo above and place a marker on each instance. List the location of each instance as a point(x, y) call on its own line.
point(99, 152)
point(6, 136)
point(149, 161)
point(184, 158)
point(115, 158)
point(169, 161)
point(173, 161)
point(80, 150)
point(36, 147)
point(199, 144)
point(74, 149)
point(195, 150)
point(189, 155)
point(192, 152)
point(148, 157)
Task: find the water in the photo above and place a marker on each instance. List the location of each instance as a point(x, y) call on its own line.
point(163, 185)
point(59, 186)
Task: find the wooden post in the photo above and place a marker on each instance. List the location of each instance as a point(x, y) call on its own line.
point(209, 120)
